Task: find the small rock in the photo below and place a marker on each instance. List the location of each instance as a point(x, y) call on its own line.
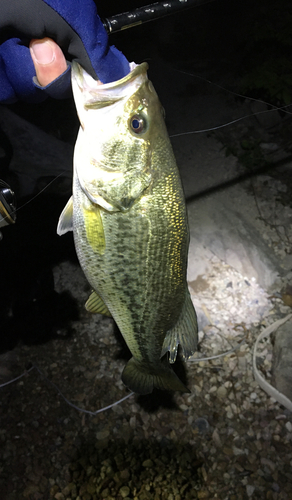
point(66, 491)
point(221, 392)
point(102, 435)
point(30, 490)
point(86, 496)
point(282, 359)
point(216, 438)
point(125, 474)
point(133, 422)
point(147, 463)
point(275, 487)
point(59, 496)
point(228, 451)
point(204, 474)
point(202, 425)
point(249, 490)
point(237, 451)
point(91, 489)
point(269, 463)
point(124, 491)
point(203, 494)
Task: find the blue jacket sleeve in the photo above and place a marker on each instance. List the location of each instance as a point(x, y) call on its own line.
point(74, 25)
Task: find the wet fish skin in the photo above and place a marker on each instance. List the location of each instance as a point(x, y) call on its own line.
point(129, 221)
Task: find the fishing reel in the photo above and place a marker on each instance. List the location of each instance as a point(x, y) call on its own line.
point(7, 206)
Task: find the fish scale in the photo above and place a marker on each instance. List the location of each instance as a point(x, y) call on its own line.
point(129, 222)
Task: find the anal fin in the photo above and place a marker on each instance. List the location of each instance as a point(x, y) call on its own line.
point(185, 333)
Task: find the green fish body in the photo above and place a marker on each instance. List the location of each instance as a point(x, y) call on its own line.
point(129, 222)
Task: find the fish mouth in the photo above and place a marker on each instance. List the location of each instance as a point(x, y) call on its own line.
point(97, 95)
point(85, 80)
point(136, 70)
point(140, 69)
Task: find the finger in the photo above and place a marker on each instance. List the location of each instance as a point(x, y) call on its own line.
point(49, 60)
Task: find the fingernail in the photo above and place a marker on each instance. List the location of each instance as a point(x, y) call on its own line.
point(43, 52)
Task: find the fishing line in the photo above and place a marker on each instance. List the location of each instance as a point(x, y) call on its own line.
point(216, 356)
point(235, 93)
point(180, 134)
point(235, 348)
point(221, 126)
point(274, 107)
point(40, 192)
point(62, 395)
point(17, 378)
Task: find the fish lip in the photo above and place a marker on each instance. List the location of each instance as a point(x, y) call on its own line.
point(138, 70)
point(78, 74)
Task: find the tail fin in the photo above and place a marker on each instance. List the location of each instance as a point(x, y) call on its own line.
point(141, 378)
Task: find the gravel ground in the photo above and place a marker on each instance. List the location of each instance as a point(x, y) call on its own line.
point(226, 439)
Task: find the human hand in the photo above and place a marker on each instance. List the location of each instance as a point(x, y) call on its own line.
point(48, 59)
point(74, 25)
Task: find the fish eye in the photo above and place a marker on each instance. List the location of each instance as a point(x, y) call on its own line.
point(138, 124)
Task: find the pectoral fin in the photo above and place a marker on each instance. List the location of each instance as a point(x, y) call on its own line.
point(95, 304)
point(94, 228)
point(185, 333)
point(65, 223)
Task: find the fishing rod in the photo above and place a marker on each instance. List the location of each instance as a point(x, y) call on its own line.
point(148, 13)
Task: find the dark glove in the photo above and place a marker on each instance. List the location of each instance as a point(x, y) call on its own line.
point(75, 27)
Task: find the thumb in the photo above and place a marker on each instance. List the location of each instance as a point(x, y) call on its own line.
point(49, 60)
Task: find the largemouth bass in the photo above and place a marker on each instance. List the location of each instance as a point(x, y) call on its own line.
point(130, 227)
